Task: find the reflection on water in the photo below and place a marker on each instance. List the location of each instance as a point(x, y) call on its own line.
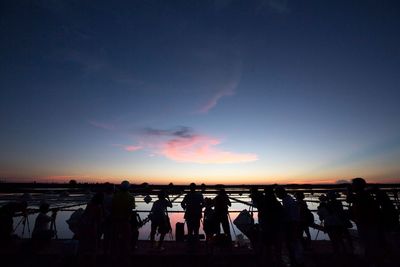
point(176, 214)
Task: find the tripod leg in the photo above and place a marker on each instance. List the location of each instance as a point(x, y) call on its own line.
point(24, 224)
point(29, 227)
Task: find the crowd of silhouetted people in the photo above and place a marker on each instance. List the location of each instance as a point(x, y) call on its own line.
point(110, 224)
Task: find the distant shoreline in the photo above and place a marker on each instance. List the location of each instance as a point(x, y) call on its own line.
point(145, 187)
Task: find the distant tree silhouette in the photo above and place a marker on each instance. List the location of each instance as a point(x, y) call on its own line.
point(72, 182)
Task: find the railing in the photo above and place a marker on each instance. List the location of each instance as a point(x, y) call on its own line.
point(238, 195)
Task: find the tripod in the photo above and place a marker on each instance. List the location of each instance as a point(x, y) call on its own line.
point(25, 224)
point(53, 225)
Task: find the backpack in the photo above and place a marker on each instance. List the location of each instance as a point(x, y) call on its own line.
point(74, 220)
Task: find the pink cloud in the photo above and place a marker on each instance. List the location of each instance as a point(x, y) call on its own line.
point(132, 148)
point(201, 149)
point(183, 145)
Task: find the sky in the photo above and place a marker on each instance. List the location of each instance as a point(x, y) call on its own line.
point(213, 91)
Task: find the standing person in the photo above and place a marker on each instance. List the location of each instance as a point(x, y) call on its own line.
point(292, 228)
point(364, 211)
point(159, 219)
point(389, 213)
point(7, 213)
point(107, 223)
point(122, 205)
point(306, 217)
point(331, 212)
point(41, 230)
point(222, 204)
point(271, 227)
point(193, 203)
point(389, 219)
point(89, 231)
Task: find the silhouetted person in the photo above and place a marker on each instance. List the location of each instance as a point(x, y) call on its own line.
point(257, 199)
point(7, 212)
point(331, 212)
point(389, 213)
point(90, 231)
point(193, 203)
point(210, 223)
point(107, 223)
point(271, 220)
point(292, 227)
point(365, 213)
point(159, 218)
point(306, 217)
point(221, 205)
point(122, 205)
point(41, 230)
point(389, 219)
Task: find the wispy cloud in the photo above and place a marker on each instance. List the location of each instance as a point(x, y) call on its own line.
point(184, 145)
point(213, 101)
point(226, 89)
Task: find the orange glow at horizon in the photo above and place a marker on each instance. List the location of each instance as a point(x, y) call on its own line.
point(210, 181)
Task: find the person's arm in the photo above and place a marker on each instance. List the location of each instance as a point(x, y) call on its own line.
point(168, 202)
point(48, 218)
point(183, 203)
point(228, 201)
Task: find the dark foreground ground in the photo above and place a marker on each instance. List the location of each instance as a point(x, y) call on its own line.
point(62, 253)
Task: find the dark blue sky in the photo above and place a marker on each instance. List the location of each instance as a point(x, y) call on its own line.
point(215, 91)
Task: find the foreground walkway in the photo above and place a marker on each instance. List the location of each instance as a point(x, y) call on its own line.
point(62, 253)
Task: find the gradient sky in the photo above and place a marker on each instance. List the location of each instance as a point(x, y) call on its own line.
point(214, 91)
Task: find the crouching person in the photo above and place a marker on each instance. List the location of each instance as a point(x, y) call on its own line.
point(42, 230)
